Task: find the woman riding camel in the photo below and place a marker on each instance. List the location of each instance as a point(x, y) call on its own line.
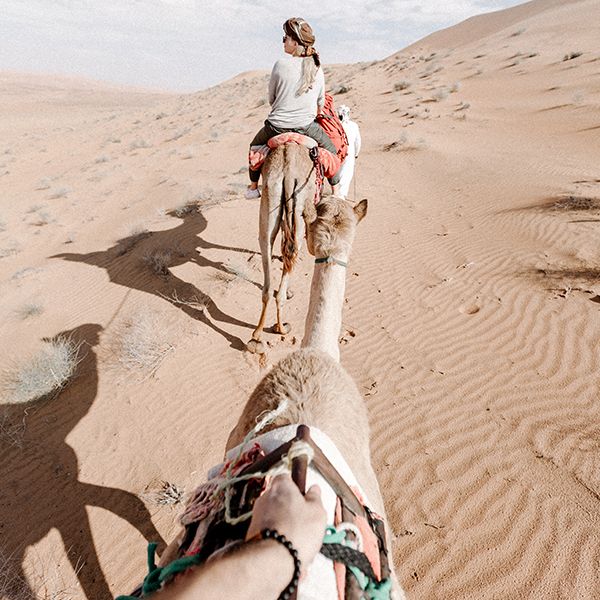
point(296, 95)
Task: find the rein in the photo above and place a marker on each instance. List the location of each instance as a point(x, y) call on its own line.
point(360, 580)
point(330, 260)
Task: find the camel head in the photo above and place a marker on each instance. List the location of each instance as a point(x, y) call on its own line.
point(331, 225)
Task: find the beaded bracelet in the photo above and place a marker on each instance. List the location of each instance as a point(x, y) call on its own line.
point(273, 534)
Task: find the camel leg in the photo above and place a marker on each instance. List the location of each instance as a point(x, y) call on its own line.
point(269, 226)
point(280, 298)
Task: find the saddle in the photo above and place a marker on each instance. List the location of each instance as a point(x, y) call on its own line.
point(359, 574)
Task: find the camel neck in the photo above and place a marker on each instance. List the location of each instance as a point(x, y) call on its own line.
point(324, 318)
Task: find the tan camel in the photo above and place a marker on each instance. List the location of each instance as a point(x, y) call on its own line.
point(319, 391)
point(289, 184)
point(329, 237)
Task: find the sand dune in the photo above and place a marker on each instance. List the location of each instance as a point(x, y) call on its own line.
point(471, 322)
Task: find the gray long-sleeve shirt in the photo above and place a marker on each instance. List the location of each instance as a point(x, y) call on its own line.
point(289, 110)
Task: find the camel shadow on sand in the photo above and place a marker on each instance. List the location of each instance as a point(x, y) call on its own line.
point(40, 488)
point(144, 261)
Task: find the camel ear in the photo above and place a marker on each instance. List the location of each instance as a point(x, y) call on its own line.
point(310, 212)
point(360, 210)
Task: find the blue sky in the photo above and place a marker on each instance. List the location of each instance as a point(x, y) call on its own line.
point(186, 45)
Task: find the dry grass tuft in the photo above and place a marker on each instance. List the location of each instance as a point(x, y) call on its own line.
point(10, 249)
point(169, 494)
point(185, 209)
point(138, 144)
point(404, 144)
point(440, 94)
point(30, 309)
point(11, 584)
point(193, 302)
point(402, 85)
point(240, 270)
point(44, 184)
point(44, 374)
point(576, 203)
point(144, 344)
point(179, 133)
point(159, 260)
point(43, 217)
point(62, 192)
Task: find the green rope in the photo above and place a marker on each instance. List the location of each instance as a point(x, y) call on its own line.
point(374, 590)
point(158, 575)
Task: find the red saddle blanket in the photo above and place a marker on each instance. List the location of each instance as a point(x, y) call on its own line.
point(257, 155)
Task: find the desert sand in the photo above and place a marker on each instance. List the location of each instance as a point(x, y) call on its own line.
point(472, 318)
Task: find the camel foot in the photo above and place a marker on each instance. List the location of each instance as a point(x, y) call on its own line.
point(255, 347)
point(289, 294)
point(283, 330)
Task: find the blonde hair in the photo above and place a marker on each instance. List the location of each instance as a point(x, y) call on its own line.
point(308, 76)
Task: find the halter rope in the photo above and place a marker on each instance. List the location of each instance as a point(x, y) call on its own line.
point(330, 260)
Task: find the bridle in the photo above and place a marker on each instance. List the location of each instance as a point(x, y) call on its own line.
point(330, 260)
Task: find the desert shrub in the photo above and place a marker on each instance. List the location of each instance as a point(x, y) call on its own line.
point(517, 32)
point(185, 209)
point(440, 94)
point(43, 217)
point(137, 144)
point(44, 184)
point(159, 260)
point(168, 494)
point(240, 270)
point(46, 373)
point(10, 249)
point(179, 133)
point(403, 143)
point(187, 153)
point(340, 89)
point(11, 583)
point(102, 159)
point(144, 344)
point(402, 85)
point(25, 272)
point(30, 309)
point(572, 55)
point(60, 192)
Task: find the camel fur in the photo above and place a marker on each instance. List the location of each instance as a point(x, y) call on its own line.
point(319, 391)
point(289, 184)
point(331, 227)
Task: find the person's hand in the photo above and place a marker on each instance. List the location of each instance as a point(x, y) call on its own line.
point(301, 519)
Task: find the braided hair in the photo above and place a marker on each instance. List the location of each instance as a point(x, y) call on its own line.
point(300, 31)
